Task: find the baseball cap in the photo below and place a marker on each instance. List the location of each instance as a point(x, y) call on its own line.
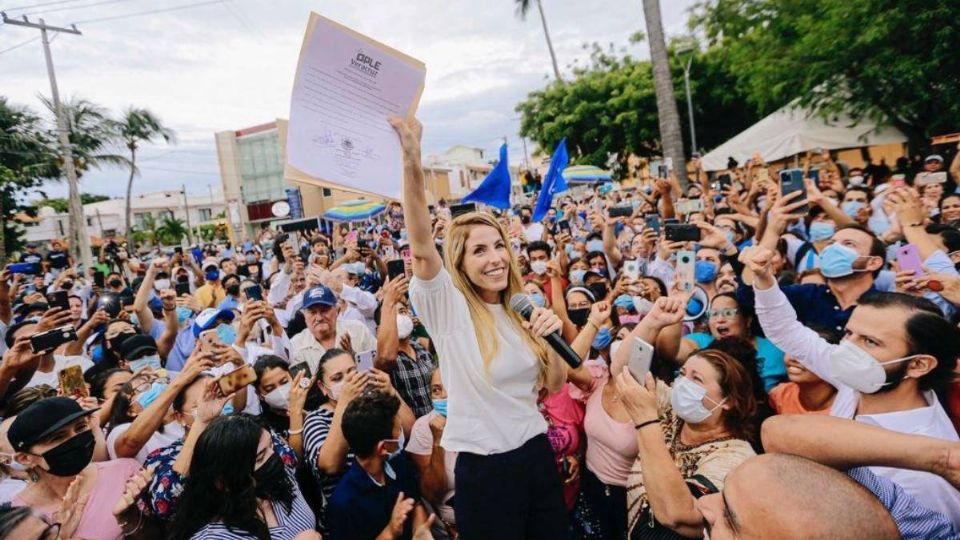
point(136, 346)
point(42, 419)
point(934, 157)
point(319, 295)
point(208, 318)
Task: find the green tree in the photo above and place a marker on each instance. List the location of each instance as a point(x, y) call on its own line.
point(135, 127)
point(895, 63)
point(62, 205)
point(671, 136)
point(171, 230)
point(610, 107)
point(523, 6)
point(27, 158)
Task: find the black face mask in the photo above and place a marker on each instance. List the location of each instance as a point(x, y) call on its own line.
point(525, 220)
point(233, 290)
point(115, 283)
point(67, 285)
point(116, 340)
point(578, 316)
point(71, 456)
point(272, 482)
point(183, 278)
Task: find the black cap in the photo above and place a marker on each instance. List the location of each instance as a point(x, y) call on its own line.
point(43, 418)
point(12, 330)
point(137, 346)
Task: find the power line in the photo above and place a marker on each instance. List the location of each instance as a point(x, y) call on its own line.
point(18, 45)
point(45, 11)
point(41, 5)
point(150, 12)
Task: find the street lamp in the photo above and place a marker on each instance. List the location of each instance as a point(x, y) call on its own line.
point(688, 50)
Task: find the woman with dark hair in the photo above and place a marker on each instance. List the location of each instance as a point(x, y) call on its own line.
point(24, 522)
point(282, 399)
point(689, 435)
point(105, 387)
point(950, 209)
point(251, 495)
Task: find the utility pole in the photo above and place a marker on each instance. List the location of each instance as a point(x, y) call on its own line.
point(79, 241)
point(186, 211)
point(526, 156)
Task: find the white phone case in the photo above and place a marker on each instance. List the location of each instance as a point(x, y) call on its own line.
point(685, 270)
point(641, 356)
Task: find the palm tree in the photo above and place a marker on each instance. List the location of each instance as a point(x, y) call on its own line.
point(138, 126)
point(92, 134)
point(671, 138)
point(523, 6)
point(171, 230)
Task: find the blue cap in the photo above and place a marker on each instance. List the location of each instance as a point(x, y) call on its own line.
point(319, 295)
point(208, 318)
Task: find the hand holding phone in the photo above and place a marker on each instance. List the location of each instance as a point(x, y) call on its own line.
point(72, 383)
point(236, 379)
point(908, 258)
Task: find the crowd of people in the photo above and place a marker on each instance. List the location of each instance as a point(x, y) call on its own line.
point(374, 382)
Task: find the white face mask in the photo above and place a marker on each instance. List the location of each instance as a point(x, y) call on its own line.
point(687, 401)
point(404, 326)
point(161, 284)
point(539, 267)
point(858, 369)
point(642, 305)
point(279, 398)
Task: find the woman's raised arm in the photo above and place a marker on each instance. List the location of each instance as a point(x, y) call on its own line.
point(416, 215)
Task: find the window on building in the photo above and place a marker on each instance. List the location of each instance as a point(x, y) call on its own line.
point(327, 192)
point(140, 218)
point(205, 214)
point(165, 214)
point(89, 222)
point(261, 167)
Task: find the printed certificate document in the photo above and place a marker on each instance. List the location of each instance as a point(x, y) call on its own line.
point(345, 88)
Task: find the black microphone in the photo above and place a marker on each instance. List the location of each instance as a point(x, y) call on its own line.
point(521, 304)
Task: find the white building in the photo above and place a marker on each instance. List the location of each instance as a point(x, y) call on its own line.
point(467, 166)
point(106, 218)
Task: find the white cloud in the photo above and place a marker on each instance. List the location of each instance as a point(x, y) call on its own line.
point(229, 66)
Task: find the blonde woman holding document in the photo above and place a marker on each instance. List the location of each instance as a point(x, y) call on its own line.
point(493, 364)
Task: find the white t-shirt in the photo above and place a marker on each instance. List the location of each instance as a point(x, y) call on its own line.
point(488, 412)
point(172, 432)
point(9, 488)
point(533, 232)
point(59, 363)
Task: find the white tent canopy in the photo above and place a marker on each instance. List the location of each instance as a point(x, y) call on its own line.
point(791, 131)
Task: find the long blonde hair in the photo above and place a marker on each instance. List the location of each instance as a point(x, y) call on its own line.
point(455, 247)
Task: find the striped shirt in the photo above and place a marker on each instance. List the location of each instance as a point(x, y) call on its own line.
point(915, 521)
point(316, 428)
point(289, 525)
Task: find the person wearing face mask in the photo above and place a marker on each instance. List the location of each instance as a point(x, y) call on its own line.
point(539, 254)
point(382, 481)
point(186, 340)
point(142, 419)
point(254, 494)
point(115, 284)
point(850, 264)
point(532, 231)
point(408, 363)
point(156, 287)
point(898, 353)
point(535, 293)
point(326, 451)
point(251, 268)
point(50, 364)
point(575, 311)
point(282, 399)
point(211, 293)
point(54, 440)
point(434, 463)
point(231, 289)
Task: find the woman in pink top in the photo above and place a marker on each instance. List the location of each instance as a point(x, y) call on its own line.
point(612, 442)
point(53, 439)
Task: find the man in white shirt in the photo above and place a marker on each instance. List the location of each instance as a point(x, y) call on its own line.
point(532, 231)
point(326, 330)
point(897, 352)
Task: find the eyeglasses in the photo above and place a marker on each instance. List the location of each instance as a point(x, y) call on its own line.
point(728, 312)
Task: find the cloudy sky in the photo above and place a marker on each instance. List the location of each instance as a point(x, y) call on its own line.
point(225, 65)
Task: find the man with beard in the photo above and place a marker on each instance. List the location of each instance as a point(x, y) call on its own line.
point(898, 351)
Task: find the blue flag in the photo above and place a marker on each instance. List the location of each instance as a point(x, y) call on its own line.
point(495, 188)
point(554, 182)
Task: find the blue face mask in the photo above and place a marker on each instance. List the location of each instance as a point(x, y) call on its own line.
point(705, 271)
point(440, 405)
point(837, 261)
point(576, 277)
point(852, 208)
point(603, 339)
point(151, 395)
point(595, 245)
point(134, 320)
point(538, 300)
point(821, 230)
point(624, 301)
point(183, 313)
point(96, 353)
point(731, 236)
point(152, 361)
point(227, 334)
point(227, 409)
